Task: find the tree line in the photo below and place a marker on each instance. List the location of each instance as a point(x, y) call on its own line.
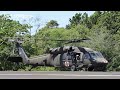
point(102, 27)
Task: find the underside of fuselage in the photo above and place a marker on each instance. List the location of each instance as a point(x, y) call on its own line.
point(93, 67)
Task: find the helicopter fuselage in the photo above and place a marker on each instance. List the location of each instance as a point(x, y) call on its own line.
point(82, 58)
point(75, 58)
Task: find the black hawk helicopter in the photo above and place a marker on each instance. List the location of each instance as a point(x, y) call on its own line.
point(70, 57)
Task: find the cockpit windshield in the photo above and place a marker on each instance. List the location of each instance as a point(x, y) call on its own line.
point(96, 55)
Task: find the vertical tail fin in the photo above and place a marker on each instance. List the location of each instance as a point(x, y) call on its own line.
point(22, 53)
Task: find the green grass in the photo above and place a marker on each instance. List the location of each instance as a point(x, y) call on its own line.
point(42, 68)
point(39, 68)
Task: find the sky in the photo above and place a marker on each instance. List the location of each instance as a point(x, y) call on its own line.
point(62, 17)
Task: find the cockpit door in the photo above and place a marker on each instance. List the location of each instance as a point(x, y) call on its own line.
point(86, 59)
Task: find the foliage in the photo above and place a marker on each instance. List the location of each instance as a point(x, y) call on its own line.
point(103, 28)
point(9, 28)
point(52, 24)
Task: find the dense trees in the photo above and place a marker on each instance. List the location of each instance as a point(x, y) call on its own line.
point(9, 28)
point(52, 24)
point(103, 28)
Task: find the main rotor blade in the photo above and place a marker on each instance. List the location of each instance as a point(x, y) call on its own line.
point(72, 40)
point(77, 40)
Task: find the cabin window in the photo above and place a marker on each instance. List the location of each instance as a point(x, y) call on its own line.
point(65, 56)
point(69, 57)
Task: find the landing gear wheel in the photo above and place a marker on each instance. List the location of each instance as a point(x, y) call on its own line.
point(73, 68)
point(91, 69)
point(104, 69)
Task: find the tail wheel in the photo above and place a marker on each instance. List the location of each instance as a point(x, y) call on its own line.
point(73, 68)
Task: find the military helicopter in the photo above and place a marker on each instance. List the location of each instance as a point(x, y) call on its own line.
point(70, 57)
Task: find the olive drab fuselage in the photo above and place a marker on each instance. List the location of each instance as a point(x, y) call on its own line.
point(66, 57)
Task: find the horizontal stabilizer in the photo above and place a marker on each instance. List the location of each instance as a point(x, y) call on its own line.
point(15, 59)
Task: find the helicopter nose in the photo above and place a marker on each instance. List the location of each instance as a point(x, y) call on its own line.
point(105, 61)
point(102, 61)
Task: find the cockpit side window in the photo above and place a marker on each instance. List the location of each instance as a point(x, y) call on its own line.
point(86, 56)
point(93, 55)
point(96, 55)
